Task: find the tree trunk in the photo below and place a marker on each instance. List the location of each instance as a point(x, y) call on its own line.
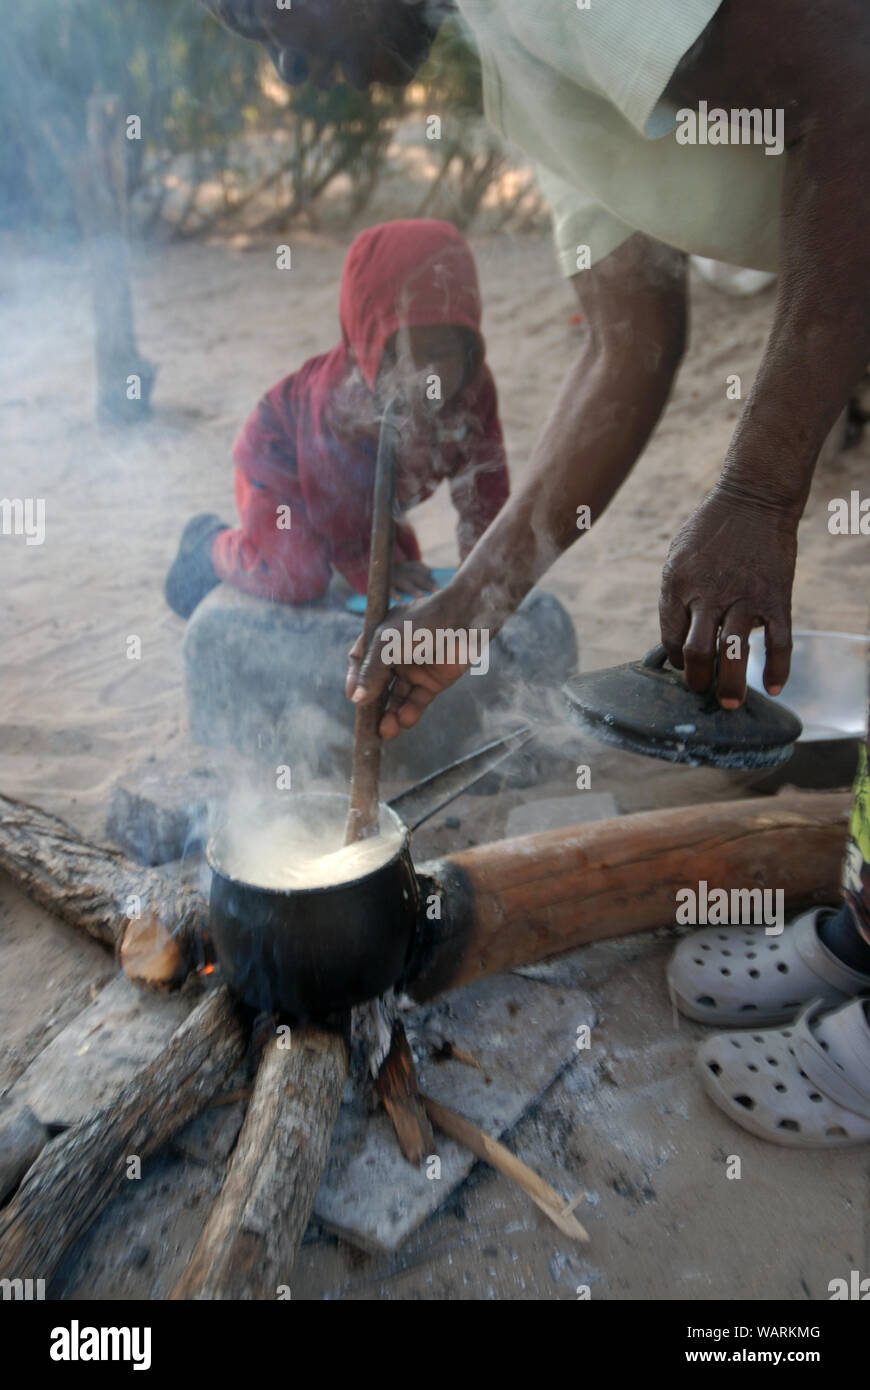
point(124, 377)
point(518, 901)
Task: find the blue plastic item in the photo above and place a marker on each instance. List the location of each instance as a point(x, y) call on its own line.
point(357, 602)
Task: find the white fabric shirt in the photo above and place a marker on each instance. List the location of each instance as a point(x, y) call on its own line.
point(581, 92)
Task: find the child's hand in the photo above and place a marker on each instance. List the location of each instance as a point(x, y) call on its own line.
point(413, 579)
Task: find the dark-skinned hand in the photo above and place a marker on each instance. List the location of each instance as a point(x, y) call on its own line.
point(412, 687)
point(412, 579)
point(730, 568)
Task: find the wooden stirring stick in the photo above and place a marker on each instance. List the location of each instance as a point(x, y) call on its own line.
point(362, 816)
point(395, 1077)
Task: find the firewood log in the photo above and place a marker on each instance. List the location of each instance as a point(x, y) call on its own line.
point(81, 1170)
point(249, 1243)
point(152, 923)
point(518, 901)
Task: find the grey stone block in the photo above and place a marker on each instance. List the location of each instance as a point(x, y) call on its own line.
point(552, 812)
point(160, 809)
point(268, 679)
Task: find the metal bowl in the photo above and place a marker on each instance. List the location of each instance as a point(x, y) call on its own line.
point(827, 690)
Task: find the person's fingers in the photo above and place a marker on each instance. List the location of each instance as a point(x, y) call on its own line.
point(400, 689)
point(398, 694)
point(412, 710)
point(733, 655)
point(374, 674)
point(699, 651)
point(674, 619)
point(354, 661)
point(777, 646)
point(429, 678)
point(400, 712)
point(408, 713)
point(414, 581)
point(352, 678)
point(389, 726)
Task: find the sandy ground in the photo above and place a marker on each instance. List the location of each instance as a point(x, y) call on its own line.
point(633, 1127)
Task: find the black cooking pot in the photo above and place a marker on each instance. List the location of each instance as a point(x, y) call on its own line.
point(308, 952)
point(294, 949)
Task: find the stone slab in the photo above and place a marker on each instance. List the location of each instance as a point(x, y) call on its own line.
point(522, 1032)
point(159, 809)
point(86, 1065)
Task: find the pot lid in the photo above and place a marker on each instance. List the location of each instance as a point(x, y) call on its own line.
point(646, 707)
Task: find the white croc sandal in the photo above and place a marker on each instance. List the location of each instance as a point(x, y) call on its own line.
point(807, 1086)
point(742, 978)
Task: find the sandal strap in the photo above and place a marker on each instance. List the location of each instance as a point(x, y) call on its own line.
point(854, 1035)
point(822, 962)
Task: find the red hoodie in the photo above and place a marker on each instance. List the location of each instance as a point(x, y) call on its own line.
point(302, 447)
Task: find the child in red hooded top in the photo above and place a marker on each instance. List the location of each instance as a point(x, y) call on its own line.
point(410, 316)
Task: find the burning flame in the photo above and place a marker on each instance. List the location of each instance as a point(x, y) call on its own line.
point(208, 966)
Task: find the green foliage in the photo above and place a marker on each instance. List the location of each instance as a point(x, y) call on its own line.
point(209, 120)
point(167, 60)
point(472, 155)
point(452, 73)
point(340, 130)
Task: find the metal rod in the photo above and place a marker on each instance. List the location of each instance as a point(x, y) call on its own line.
point(422, 800)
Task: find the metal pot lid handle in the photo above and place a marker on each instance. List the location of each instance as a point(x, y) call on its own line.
point(655, 659)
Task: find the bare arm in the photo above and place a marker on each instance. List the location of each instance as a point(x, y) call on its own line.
point(634, 306)
point(731, 566)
